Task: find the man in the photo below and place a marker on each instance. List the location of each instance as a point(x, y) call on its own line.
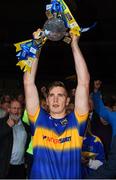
point(93, 155)
point(57, 137)
point(13, 138)
point(108, 169)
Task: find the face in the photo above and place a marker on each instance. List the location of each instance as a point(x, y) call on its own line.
point(97, 84)
point(16, 109)
point(7, 98)
point(20, 98)
point(6, 106)
point(57, 101)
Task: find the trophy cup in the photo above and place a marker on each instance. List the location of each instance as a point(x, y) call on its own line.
point(54, 28)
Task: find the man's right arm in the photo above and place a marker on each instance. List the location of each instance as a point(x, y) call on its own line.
point(31, 92)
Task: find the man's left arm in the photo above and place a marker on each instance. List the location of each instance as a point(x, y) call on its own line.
point(83, 78)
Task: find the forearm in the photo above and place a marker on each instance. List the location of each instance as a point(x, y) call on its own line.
point(29, 77)
point(80, 64)
point(31, 92)
point(99, 106)
point(83, 78)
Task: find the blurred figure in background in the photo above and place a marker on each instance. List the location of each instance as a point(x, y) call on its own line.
point(93, 155)
point(14, 139)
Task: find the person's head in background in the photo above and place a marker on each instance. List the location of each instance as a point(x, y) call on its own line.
point(97, 84)
point(15, 110)
point(5, 103)
point(7, 98)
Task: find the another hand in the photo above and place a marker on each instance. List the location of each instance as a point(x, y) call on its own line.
point(75, 38)
point(10, 122)
point(36, 34)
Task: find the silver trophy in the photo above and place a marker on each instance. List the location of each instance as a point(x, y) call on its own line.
point(54, 29)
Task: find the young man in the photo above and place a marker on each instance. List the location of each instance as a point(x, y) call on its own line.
point(57, 137)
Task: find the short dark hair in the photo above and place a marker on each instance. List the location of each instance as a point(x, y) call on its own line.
point(56, 84)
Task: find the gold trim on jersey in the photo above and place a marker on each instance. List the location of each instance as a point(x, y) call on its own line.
point(33, 118)
point(81, 118)
point(46, 138)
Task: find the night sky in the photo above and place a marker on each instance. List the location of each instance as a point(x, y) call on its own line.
point(19, 19)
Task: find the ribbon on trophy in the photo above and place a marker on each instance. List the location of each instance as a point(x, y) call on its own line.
point(62, 10)
point(27, 51)
point(55, 28)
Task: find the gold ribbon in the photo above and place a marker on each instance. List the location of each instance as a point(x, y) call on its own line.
point(70, 19)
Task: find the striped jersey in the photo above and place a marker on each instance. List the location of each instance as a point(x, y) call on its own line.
point(57, 145)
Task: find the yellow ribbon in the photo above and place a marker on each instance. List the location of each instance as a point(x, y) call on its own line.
point(18, 45)
point(25, 65)
point(70, 19)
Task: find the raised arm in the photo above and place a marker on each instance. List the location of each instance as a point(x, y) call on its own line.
point(83, 78)
point(31, 92)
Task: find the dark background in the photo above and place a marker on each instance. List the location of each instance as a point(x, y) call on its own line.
point(18, 20)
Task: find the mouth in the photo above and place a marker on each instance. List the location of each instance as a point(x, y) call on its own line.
point(55, 105)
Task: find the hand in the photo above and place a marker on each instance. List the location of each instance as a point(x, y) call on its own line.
point(15, 117)
point(10, 122)
point(37, 34)
point(75, 38)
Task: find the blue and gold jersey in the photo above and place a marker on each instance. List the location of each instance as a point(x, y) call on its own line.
point(57, 145)
point(92, 149)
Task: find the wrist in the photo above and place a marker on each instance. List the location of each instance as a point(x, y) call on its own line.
point(74, 44)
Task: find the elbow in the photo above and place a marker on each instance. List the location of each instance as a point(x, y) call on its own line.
point(27, 80)
point(86, 80)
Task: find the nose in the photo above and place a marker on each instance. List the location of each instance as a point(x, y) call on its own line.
point(55, 98)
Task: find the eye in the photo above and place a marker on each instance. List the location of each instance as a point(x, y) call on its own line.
point(60, 95)
point(51, 95)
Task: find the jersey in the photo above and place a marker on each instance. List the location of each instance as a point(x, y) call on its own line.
point(92, 149)
point(57, 145)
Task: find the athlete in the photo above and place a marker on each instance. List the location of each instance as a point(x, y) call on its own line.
point(58, 137)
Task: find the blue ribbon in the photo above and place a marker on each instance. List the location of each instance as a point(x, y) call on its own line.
point(28, 49)
point(56, 7)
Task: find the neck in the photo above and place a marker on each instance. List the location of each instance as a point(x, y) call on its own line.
point(57, 116)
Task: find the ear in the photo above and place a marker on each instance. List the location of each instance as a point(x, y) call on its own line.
point(67, 101)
